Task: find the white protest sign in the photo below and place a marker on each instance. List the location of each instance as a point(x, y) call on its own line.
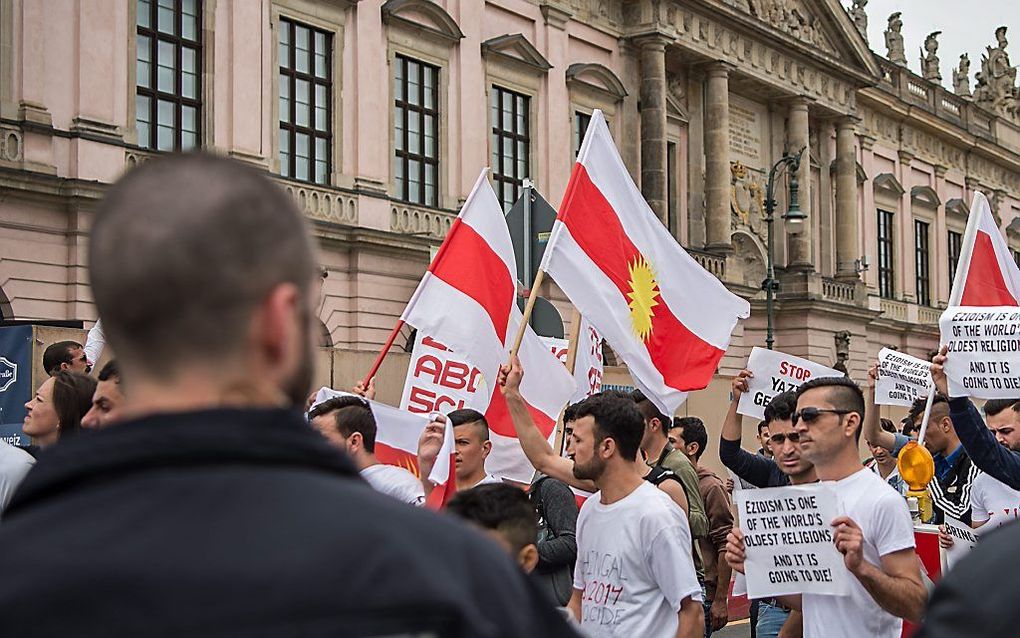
point(774, 373)
point(788, 539)
point(901, 378)
point(588, 364)
point(984, 351)
point(439, 380)
point(964, 540)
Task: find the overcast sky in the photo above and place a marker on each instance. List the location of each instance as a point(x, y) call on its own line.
point(966, 26)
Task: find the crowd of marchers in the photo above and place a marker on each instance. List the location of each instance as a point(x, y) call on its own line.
point(192, 486)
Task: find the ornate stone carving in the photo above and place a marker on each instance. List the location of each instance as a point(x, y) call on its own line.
point(996, 88)
point(860, 17)
point(894, 40)
point(961, 77)
point(789, 16)
point(749, 258)
point(747, 200)
point(842, 339)
point(930, 59)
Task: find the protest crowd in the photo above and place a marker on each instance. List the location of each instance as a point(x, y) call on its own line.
point(198, 485)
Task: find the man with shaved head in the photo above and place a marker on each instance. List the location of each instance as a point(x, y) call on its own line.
point(213, 508)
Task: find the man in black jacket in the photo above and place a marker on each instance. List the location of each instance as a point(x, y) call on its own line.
point(214, 509)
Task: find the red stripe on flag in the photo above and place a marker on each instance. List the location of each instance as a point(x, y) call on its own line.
point(498, 417)
point(985, 285)
point(470, 265)
point(685, 361)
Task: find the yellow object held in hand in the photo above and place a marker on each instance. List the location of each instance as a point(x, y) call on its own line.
point(916, 466)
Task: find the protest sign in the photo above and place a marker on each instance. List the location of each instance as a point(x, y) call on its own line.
point(901, 378)
point(788, 538)
point(984, 351)
point(964, 540)
point(439, 380)
point(774, 373)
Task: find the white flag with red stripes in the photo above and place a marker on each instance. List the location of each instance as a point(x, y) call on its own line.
point(467, 301)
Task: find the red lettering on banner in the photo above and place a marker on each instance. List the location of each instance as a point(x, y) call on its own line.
point(423, 401)
point(444, 401)
point(455, 375)
point(432, 343)
point(476, 375)
point(434, 368)
point(797, 372)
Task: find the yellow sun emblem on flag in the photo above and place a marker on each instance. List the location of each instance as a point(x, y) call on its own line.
point(643, 295)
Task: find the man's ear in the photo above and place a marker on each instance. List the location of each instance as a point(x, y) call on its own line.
point(486, 448)
point(527, 558)
point(852, 423)
point(693, 449)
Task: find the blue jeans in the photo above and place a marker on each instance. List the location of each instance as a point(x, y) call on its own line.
point(770, 620)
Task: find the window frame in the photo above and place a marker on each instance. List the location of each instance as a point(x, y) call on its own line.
point(954, 242)
point(581, 122)
point(501, 180)
point(153, 92)
point(402, 154)
point(292, 75)
point(922, 261)
point(886, 266)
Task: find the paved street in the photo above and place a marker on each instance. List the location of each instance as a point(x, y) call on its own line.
point(737, 629)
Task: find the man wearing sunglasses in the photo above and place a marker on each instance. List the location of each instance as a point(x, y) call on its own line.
point(874, 531)
point(65, 355)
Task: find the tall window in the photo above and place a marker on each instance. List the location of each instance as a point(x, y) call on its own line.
point(885, 254)
point(921, 263)
point(168, 64)
point(671, 195)
point(511, 143)
point(955, 240)
point(581, 122)
point(416, 131)
point(306, 131)
point(1016, 257)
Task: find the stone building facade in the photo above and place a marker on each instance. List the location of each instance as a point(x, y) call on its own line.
point(377, 115)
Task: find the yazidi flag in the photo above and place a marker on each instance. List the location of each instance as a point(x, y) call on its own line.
point(980, 326)
point(665, 315)
point(466, 301)
point(396, 443)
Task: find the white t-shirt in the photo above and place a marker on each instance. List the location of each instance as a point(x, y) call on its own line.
point(883, 516)
point(634, 565)
point(396, 482)
point(993, 501)
point(14, 465)
point(487, 479)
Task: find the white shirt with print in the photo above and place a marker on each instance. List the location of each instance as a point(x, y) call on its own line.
point(396, 482)
point(884, 519)
point(634, 565)
point(992, 501)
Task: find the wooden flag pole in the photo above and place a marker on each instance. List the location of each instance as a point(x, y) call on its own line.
point(572, 341)
point(382, 353)
point(528, 308)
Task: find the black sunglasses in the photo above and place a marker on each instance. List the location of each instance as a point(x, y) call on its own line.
point(810, 415)
point(780, 438)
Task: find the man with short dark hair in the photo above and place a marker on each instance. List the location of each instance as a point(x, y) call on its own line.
point(635, 573)
point(243, 520)
point(765, 448)
point(993, 502)
point(688, 435)
point(874, 531)
point(471, 448)
point(65, 355)
point(348, 423)
point(505, 514)
point(108, 399)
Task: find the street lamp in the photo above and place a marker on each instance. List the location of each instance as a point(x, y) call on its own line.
point(794, 219)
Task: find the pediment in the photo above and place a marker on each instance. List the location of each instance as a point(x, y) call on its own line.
point(823, 26)
point(598, 78)
point(676, 110)
point(516, 48)
point(925, 196)
point(887, 184)
point(958, 207)
point(424, 15)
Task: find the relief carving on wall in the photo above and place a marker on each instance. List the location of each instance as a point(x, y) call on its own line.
point(789, 16)
point(747, 200)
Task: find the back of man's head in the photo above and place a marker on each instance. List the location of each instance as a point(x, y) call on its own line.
point(615, 418)
point(57, 354)
point(781, 407)
point(650, 411)
point(939, 408)
point(467, 416)
point(505, 511)
point(183, 252)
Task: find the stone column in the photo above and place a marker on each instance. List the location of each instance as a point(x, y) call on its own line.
point(717, 158)
point(847, 250)
point(653, 122)
point(798, 138)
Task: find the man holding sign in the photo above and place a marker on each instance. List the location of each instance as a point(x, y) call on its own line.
point(874, 532)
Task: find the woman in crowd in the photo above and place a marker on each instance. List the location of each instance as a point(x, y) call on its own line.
point(57, 407)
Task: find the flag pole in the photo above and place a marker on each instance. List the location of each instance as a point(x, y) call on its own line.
point(382, 353)
point(572, 340)
point(528, 308)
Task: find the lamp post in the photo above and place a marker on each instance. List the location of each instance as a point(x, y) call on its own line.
point(794, 219)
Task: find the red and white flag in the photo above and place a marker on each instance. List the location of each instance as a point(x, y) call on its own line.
point(986, 274)
point(668, 317)
point(466, 301)
point(396, 443)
